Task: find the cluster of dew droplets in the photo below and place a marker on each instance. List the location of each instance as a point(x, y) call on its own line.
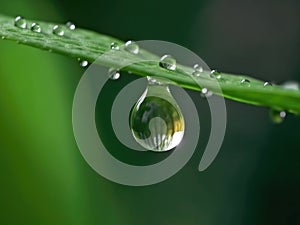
point(58, 30)
point(278, 116)
point(131, 47)
point(159, 143)
point(197, 71)
point(157, 112)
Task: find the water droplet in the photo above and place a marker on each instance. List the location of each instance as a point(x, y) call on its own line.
point(215, 74)
point(35, 27)
point(266, 84)
point(291, 85)
point(71, 25)
point(277, 116)
point(197, 67)
point(197, 70)
point(114, 46)
point(245, 82)
point(58, 30)
point(167, 62)
point(156, 120)
point(83, 63)
point(2, 37)
point(206, 93)
point(20, 22)
point(113, 74)
point(132, 47)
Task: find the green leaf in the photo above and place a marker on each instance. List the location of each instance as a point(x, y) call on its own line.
point(89, 45)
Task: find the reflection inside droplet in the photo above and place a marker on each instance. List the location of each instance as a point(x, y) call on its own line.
point(167, 62)
point(156, 120)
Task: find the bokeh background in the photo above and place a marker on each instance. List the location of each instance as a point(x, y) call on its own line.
point(255, 179)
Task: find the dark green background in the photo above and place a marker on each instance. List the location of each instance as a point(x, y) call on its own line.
point(254, 180)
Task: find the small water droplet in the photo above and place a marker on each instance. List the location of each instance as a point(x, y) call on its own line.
point(206, 93)
point(197, 67)
point(156, 120)
point(71, 25)
point(83, 63)
point(2, 37)
point(35, 27)
point(113, 74)
point(291, 85)
point(167, 62)
point(114, 46)
point(197, 70)
point(58, 30)
point(267, 84)
point(132, 47)
point(20, 22)
point(245, 82)
point(215, 74)
point(277, 116)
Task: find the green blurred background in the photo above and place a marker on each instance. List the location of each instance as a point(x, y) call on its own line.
point(255, 179)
